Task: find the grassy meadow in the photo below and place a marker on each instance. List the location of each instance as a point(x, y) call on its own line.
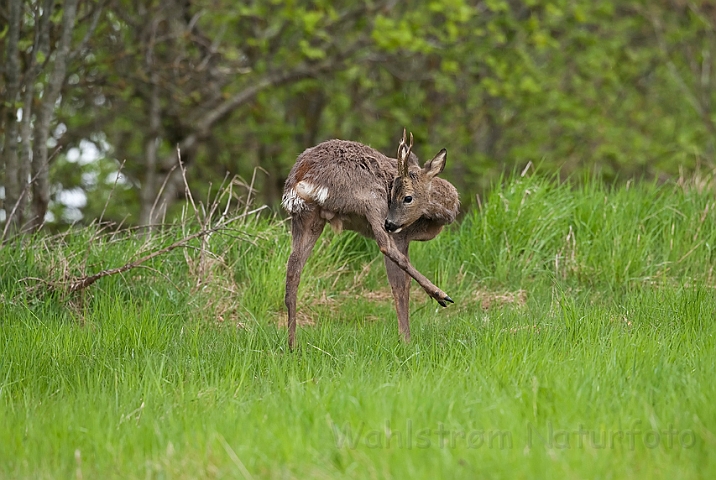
point(581, 345)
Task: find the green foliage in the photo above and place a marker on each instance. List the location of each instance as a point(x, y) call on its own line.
point(621, 89)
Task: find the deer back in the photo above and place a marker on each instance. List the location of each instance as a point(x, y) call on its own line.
point(340, 176)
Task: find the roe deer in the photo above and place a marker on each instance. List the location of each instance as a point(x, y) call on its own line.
point(355, 187)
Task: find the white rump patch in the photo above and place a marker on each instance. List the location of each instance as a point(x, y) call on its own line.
point(292, 203)
point(309, 191)
point(299, 197)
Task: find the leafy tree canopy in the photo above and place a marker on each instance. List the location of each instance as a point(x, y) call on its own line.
point(620, 89)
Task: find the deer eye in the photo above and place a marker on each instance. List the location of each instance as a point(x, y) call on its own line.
point(408, 199)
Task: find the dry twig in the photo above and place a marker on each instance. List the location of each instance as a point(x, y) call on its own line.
point(84, 282)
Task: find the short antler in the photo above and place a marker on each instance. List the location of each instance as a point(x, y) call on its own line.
point(404, 154)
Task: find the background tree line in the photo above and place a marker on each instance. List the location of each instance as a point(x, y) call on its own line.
point(97, 95)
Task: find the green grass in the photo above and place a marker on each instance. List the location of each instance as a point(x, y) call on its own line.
point(581, 345)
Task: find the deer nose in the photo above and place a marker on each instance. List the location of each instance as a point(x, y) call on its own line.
point(390, 226)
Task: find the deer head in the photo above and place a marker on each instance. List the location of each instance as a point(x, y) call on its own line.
point(410, 196)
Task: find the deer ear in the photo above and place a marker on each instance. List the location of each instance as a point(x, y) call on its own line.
point(436, 165)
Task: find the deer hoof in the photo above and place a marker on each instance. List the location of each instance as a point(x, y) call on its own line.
point(444, 300)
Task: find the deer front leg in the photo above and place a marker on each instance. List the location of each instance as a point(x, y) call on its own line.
point(400, 285)
point(305, 230)
point(388, 248)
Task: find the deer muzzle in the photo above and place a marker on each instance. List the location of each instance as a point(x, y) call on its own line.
point(391, 227)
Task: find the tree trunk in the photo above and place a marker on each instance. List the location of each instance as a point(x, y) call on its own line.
point(40, 160)
point(25, 155)
point(148, 191)
point(40, 50)
point(13, 186)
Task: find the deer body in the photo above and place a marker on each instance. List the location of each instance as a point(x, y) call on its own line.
point(354, 187)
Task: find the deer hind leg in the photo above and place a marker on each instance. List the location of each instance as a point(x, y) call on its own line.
point(389, 249)
point(305, 230)
point(400, 285)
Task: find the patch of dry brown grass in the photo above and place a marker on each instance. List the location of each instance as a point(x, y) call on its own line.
point(490, 299)
point(215, 293)
point(303, 319)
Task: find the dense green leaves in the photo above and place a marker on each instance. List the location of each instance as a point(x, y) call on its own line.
point(622, 89)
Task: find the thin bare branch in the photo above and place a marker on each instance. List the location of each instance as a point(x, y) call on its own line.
point(84, 282)
point(111, 192)
point(96, 14)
